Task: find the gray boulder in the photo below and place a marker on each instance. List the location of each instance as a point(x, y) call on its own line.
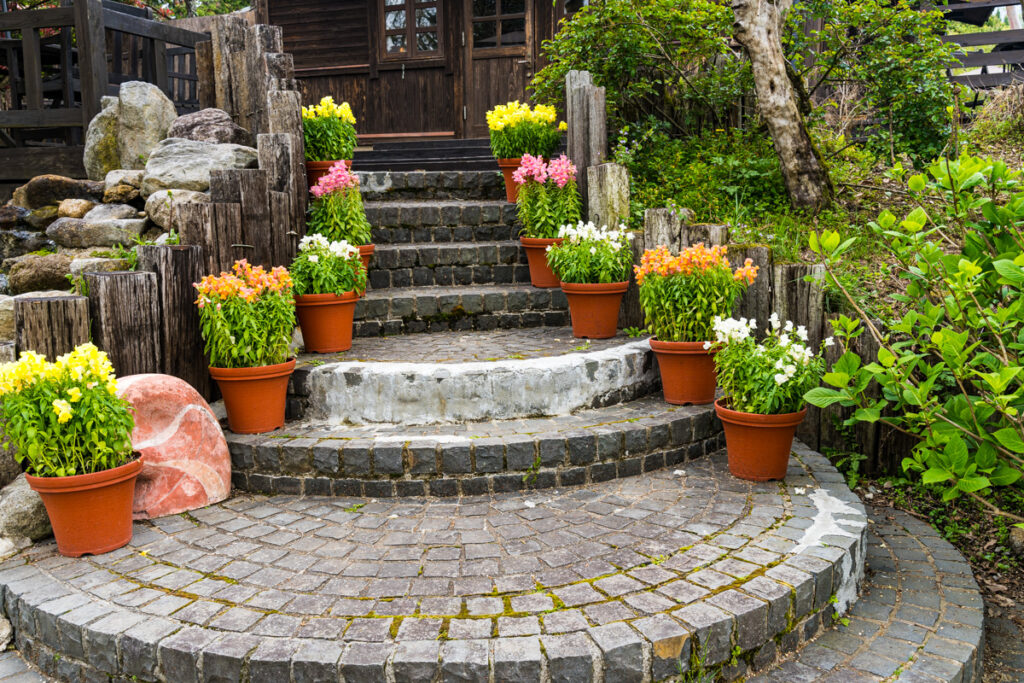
point(210, 125)
point(51, 190)
point(123, 176)
point(19, 242)
point(101, 152)
point(161, 206)
point(83, 232)
point(12, 217)
point(98, 264)
point(145, 114)
point(177, 164)
point(22, 514)
point(32, 273)
point(105, 212)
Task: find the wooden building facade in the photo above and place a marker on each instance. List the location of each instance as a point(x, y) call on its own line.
point(416, 69)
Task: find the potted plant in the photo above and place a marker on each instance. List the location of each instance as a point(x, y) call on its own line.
point(246, 318)
point(329, 136)
point(593, 265)
point(328, 279)
point(548, 198)
point(515, 130)
point(337, 212)
point(764, 385)
point(680, 296)
point(72, 434)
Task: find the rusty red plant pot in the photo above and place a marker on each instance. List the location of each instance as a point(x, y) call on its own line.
point(254, 397)
point(758, 445)
point(594, 308)
point(536, 249)
point(326, 321)
point(687, 372)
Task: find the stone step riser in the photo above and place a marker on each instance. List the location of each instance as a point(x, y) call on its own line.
point(441, 221)
point(465, 263)
point(383, 186)
point(497, 232)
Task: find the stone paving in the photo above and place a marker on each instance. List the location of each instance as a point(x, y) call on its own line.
point(619, 580)
point(1004, 650)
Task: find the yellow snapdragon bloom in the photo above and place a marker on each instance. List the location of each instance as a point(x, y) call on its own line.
point(63, 410)
point(328, 109)
point(75, 393)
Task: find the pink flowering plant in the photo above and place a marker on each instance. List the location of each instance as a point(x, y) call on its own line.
point(548, 197)
point(337, 209)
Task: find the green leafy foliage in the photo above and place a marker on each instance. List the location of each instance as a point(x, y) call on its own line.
point(339, 216)
point(64, 418)
point(324, 267)
point(766, 378)
point(545, 207)
point(592, 255)
point(328, 131)
point(246, 316)
point(949, 370)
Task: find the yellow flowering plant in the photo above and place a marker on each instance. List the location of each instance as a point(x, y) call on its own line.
point(329, 130)
point(517, 130)
point(65, 418)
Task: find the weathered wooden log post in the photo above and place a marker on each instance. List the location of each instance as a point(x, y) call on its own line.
point(802, 301)
point(756, 303)
point(177, 268)
point(51, 326)
point(126, 319)
point(586, 116)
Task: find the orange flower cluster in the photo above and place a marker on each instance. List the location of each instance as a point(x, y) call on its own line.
point(244, 281)
point(696, 259)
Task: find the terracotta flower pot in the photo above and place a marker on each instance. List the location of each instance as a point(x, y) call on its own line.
point(90, 513)
point(316, 169)
point(366, 253)
point(541, 274)
point(687, 372)
point(326, 321)
point(508, 167)
point(594, 308)
point(254, 397)
point(758, 445)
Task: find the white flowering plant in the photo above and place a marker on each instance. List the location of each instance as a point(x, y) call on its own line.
point(592, 255)
point(768, 377)
point(326, 267)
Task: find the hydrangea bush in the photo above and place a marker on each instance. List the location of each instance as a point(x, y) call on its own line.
point(65, 418)
point(517, 130)
point(328, 130)
point(548, 196)
point(325, 267)
point(591, 255)
point(682, 295)
point(768, 377)
point(336, 211)
point(246, 316)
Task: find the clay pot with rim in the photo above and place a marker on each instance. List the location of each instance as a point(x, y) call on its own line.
point(90, 513)
point(316, 169)
point(536, 249)
point(758, 445)
point(594, 308)
point(687, 372)
point(508, 167)
point(254, 397)
point(366, 253)
point(326, 321)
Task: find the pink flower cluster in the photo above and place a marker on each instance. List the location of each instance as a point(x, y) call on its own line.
point(561, 170)
point(338, 178)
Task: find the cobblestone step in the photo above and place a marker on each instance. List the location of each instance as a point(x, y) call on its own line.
point(474, 307)
point(590, 446)
point(620, 580)
point(920, 617)
point(385, 185)
point(448, 263)
point(446, 220)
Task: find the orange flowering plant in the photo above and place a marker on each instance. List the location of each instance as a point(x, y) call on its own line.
point(681, 295)
point(246, 316)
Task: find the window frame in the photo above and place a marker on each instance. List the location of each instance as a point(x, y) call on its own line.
point(413, 53)
point(499, 16)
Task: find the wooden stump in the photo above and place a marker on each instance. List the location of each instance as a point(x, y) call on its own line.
point(757, 301)
point(176, 269)
point(51, 326)
point(126, 319)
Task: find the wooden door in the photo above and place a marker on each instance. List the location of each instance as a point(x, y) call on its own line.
point(499, 38)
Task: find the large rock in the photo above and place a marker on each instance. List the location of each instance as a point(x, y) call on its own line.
point(123, 176)
point(101, 153)
point(161, 206)
point(144, 117)
point(15, 243)
point(22, 514)
point(74, 208)
point(46, 190)
point(210, 125)
point(99, 264)
point(32, 273)
point(83, 232)
point(106, 212)
point(185, 459)
point(178, 164)
point(121, 194)
point(12, 217)
point(39, 219)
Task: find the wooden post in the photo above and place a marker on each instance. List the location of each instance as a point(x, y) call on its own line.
point(207, 81)
point(803, 303)
point(126, 320)
point(586, 115)
point(92, 50)
point(631, 315)
point(706, 234)
point(248, 188)
point(664, 228)
point(51, 326)
point(177, 267)
point(609, 194)
point(757, 301)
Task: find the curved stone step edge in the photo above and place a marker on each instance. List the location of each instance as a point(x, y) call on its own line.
point(620, 446)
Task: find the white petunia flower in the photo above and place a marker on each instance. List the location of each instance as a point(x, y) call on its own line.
point(830, 342)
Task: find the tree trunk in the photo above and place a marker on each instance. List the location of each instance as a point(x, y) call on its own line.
point(757, 27)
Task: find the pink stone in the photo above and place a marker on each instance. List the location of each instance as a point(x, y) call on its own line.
point(185, 459)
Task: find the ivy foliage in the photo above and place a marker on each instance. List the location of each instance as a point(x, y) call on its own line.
point(948, 372)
